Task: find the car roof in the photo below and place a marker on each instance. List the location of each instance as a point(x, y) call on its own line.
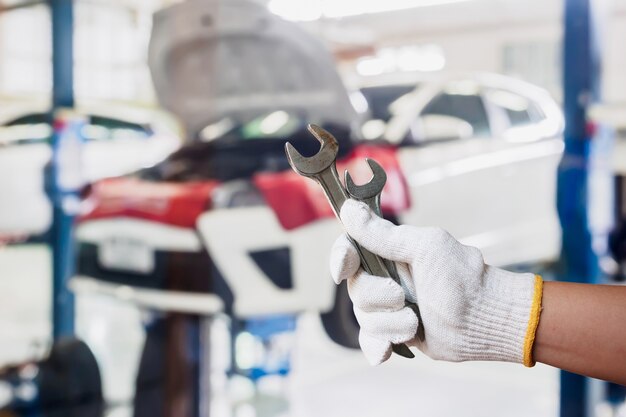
point(427, 90)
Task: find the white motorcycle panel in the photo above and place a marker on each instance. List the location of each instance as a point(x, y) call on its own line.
point(231, 234)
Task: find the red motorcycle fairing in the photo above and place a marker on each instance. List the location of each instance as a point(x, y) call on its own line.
point(295, 200)
point(176, 204)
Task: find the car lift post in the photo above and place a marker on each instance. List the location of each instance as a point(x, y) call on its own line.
point(581, 76)
point(62, 16)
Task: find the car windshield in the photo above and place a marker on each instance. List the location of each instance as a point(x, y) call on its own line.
point(35, 128)
point(231, 156)
point(380, 98)
point(277, 124)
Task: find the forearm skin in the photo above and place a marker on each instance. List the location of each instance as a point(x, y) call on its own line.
point(582, 329)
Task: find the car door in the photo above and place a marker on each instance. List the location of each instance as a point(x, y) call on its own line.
point(528, 151)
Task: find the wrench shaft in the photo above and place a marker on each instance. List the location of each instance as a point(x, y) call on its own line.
point(337, 195)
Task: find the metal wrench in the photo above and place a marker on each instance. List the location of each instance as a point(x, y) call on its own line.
point(321, 168)
point(370, 193)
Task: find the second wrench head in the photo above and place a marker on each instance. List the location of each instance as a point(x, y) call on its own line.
point(370, 189)
point(320, 161)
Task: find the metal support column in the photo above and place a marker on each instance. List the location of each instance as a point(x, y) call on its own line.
point(581, 88)
point(62, 15)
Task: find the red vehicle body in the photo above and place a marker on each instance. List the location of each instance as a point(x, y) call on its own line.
point(295, 200)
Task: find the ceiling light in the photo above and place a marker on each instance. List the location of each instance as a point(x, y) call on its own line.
point(425, 58)
point(298, 11)
point(343, 8)
point(308, 10)
point(370, 66)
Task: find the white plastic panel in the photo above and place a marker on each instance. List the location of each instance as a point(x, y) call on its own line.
point(230, 235)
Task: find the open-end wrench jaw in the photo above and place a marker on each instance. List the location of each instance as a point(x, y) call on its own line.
point(321, 168)
point(310, 166)
point(370, 193)
point(373, 188)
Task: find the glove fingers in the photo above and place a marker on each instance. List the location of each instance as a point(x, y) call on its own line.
point(344, 260)
point(376, 351)
point(370, 293)
point(378, 235)
point(395, 327)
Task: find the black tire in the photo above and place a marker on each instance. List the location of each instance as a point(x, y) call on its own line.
point(70, 383)
point(340, 323)
point(169, 380)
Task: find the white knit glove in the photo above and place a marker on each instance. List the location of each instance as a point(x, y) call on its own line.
point(468, 310)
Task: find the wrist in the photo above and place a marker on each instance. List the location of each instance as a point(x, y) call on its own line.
point(502, 322)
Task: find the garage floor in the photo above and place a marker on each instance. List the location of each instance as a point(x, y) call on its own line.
point(327, 380)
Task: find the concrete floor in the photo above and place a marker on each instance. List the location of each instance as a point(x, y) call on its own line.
point(327, 380)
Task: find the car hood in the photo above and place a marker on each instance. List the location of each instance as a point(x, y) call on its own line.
point(212, 59)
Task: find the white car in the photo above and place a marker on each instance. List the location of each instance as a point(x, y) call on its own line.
point(117, 141)
point(224, 224)
point(485, 144)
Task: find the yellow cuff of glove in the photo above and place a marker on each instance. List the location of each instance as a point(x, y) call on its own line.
point(533, 323)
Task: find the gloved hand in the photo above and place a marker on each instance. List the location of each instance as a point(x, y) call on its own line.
point(468, 310)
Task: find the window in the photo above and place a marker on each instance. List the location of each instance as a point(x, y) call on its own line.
point(538, 62)
point(25, 51)
point(518, 117)
point(105, 128)
point(520, 111)
point(110, 43)
point(379, 99)
point(467, 107)
point(35, 127)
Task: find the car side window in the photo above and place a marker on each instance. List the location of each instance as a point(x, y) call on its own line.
point(35, 128)
point(29, 119)
point(100, 128)
point(519, 110)
point(467, 107)
point(518, 117)
point(28, 129)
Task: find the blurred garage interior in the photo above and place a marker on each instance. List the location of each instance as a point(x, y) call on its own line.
point(159, 257)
